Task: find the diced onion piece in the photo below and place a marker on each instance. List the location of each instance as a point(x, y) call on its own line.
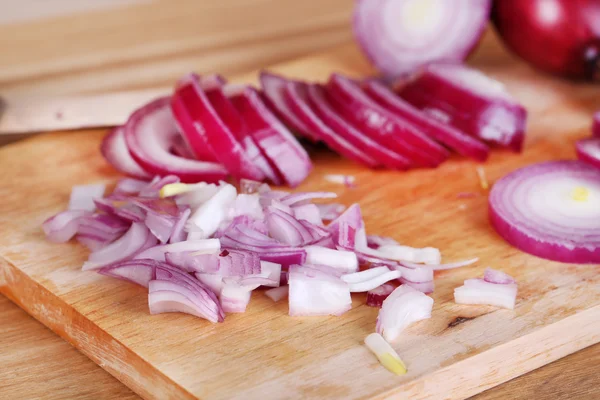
point(308, 212)
point(344, 261)
point(207, 246)
point(427, 255)
point(498, 277)
point(478, 291)
point(82, 197)
point(214, 211)
point(400, 36)
point(277, 293)
point(588, 150)
point(443, 133)
point(370, 279)
point(130, 186)
point(386, 355)
point(424, 287)
point(115, 151)
point(375, 297)
point(63, 226)
point(550, 210)
point(403, 307)
point(470, 101)
point(315, 292)
point(136, 239)
point(442, 267)
point(375, 241)
point(149, 133)
point(302, 197)
point(235, 298)
point(178, 232)
point(140, 272)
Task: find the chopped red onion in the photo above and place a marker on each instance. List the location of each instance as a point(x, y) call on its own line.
point(212, 281)
point(178, 233)
point(248, 186)
point(197, 195)
point(302, 197)
point(277, 293)
point(130, 186)
point(498, 277)
point(127, 246)
point(191, 261)
point(425, 287)
point(160, 225)
point(82, 197)
point(214, 211)
point(588, 150)
point(315, 292)
point(375, 297)
point(207, 246)
point(442, 267)
point(329, 212)
point(479, 291)
point(344, 261)
point(115, 151)
point(403, 307)
point(248, 205)
point(140, 272)
point(63, 226)
point(427, 255)
point(98, 230)
point(235, 298)
point(308, 212)
point(375, 242)
point(155, 186)
point(370, 279)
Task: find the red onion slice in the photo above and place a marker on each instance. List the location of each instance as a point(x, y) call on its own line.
point(403, 307)
point(115, 151)
point(478, 291)
point(63, 226)
point(443, 133)
point(200, 121)
point(470, 101)
point(588, 150)
point(297, 96)
point(330, 116)
point(329, 212)
point(273, 87)
point(277, 293)
point(157, 253)
point(498, 277)
point(235, 298)
point(370, 279)
point(316, 292)
point(127, 246)
point(140, 272)
point(375, 297)
point(550, 210)
point(396, 134)
point(178, 234)
point(343, 261)
point(210, 215)
point(176, 296)
point(149, 133)
point(274, 140)
point(400, 36)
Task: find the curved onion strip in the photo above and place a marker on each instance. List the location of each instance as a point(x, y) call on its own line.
point(376, 281)
point(588, 150)
point(403, 307)
point(550, 210)
point(149, 133)
point(386, 355)
point(442, 267)
point(478, 291)
point(115, 151)
point(82, 196)
point(400, 36)
point(63, 226)
point(126, 247)
point(140, 272)
point(207, 246)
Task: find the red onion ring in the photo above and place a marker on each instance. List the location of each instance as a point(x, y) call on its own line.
point(115, 151)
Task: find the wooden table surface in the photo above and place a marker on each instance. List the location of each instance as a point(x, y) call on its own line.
point(71, 46)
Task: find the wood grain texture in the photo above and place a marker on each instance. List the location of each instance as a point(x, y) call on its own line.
point(38, 365)
point(264, 353)
point(153, 43)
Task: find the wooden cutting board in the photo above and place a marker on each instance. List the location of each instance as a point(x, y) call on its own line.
point(264, 353)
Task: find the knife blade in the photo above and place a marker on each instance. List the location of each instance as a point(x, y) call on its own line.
point(24, 116)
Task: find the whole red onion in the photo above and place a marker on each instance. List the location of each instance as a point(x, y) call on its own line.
point(558, 36)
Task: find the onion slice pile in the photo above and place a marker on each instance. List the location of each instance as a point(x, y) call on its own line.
point(495, 289)
point(588, 150)
point(399, 36)
point(470, 101)
point(550, 210)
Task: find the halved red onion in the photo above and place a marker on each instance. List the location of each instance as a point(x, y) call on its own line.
point(443, 133)
point(396, 134)
point(498, 277)
point(296, 94)
point(157, 253)
point(403, 307)
point(369, 279)
point(115, 151)
point(400, 36)
point(82, 196)
point(273, 87)
point(130, 186)
point(212, 85)
point(313, 291)
point(149, 133)
point(140, 272)
point(375, 297)
point(204, 127)
point(343, 261)
point(550, 210)
point(588, 150)
point(596, 124)
point(63, 226)
point(273, 138)
point(338, 123)
point(277, 293)
point(214, 211)
point(137, 238)
point(478, 291)
point(470, 101)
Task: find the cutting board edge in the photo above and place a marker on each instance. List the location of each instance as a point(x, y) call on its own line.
point(104, 350)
